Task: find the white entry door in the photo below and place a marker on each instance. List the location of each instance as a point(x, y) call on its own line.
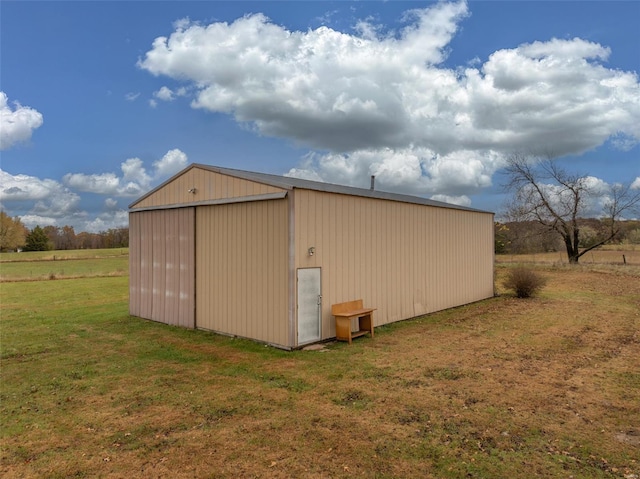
point(309, 305)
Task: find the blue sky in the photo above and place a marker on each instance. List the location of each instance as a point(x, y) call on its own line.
point(102, 101)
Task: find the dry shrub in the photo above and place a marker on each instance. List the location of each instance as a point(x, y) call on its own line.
point(524, 282)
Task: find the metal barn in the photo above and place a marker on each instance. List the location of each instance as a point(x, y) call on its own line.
point(264, 257)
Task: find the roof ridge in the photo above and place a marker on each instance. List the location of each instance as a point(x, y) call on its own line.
point(290, 182)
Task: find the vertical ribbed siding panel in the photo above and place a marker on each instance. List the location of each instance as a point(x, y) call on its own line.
point(187, 269)
point(135, 259)
point(266, 264)
point(172, 227)
point(242, 270)
point(146, 266)
point(178, 228)
point(252, 270)
point(159, 247)
point(241, 279)
point(268, 329)
point(401, 258)
point(139, 262)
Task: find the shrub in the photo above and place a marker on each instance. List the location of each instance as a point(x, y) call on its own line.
point(524, 282)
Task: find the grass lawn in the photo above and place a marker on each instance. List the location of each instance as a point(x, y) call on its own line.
point(503, 388)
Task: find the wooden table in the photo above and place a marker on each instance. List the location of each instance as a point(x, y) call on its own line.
point(345, 312)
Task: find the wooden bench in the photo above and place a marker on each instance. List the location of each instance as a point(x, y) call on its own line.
point(345, 312)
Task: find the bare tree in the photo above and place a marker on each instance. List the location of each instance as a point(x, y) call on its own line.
point(557, 200)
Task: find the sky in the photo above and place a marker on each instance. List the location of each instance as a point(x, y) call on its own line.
point(102, 101)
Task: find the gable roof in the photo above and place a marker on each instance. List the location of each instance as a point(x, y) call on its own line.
point(290, 183)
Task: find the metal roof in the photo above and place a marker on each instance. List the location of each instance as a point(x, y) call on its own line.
point(289, 183)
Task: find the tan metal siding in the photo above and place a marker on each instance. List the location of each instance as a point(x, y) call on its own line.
point(404, 259)
point(161, 265)
point(208, 186)
point(242, 277)
point(135, 260)
point(140, 264)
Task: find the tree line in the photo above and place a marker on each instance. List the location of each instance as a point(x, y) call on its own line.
point(14, 236)
point(529, 237)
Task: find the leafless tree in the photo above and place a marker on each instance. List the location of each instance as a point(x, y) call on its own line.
point(547, 194)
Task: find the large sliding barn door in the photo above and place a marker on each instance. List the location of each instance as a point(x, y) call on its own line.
point(161, 263)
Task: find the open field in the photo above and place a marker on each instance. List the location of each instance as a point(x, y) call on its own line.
point(43, 265)
point(606, 255)
point(63, 255)
point(503, 388)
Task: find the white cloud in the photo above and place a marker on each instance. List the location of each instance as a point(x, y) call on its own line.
point(134, 180)
point(31, 221)
point(418, 171)
point(386, 104)
point(164, 94)
point(16, 125)
point(39, 201)
point(133, 170)
point(322, 87)
point(172, 162)
point(132, 96)
point(105, 183)
point(167, 94)
point(59, 204)
point(462, 200)
point(596, 186)
point(110, 204)
point(107, 220)
point(31, 188)
point(636, 184)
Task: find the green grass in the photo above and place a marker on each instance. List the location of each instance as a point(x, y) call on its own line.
point(63, 264)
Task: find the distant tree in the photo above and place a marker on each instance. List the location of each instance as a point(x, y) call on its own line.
point(37, 240)
point(528, 237)
point(52, 233)
point(630, 232)
point(544, 193)
point(86, 240)
point(115, 238)
point(67, 238)
point(62, 238)
point(588, 236)
point(501, 238)
point(12, 233)
point(634, 236)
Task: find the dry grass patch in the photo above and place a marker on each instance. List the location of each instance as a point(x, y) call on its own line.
point(504, 388)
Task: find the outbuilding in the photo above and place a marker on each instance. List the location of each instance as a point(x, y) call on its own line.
point(264, 257)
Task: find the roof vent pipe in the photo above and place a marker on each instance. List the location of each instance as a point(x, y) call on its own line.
point(373, 182)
